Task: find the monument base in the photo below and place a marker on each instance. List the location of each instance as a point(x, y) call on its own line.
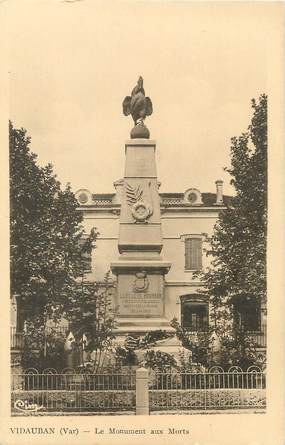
point(171, 346)
point(140, 296)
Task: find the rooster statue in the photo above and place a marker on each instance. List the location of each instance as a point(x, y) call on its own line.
point(139, 107)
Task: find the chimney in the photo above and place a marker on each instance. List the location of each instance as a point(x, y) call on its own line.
point(219, 191)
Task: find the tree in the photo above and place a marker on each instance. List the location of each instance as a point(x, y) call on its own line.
point(200, 344)
point(91, 316)
point(236, 280)
point(45, 231)
point(49, 260)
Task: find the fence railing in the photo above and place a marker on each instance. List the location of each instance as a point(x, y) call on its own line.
point(143, 391)
point(70, 391)
point(215, 389)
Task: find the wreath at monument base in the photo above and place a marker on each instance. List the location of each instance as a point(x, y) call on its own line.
point(141, 211)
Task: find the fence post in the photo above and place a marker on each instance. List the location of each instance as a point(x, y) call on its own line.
point(142, 397)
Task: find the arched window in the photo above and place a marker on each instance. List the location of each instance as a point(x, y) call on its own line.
point(194, 312)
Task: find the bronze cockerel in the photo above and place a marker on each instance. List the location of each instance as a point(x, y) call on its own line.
point(137, 104)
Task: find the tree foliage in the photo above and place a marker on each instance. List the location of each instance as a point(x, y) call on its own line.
point(45, 230)
point(42, 349)
point(91, 316)
point(237, 276)
point(200, 344)
point(49, 258)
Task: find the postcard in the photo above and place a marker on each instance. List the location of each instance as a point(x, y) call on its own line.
point(142, 223)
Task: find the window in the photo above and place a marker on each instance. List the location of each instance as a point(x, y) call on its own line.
point(193, 253)
point(193, 197)
point(247, 316)
point(194, 313)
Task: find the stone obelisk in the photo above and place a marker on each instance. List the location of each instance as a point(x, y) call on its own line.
point(140, 270)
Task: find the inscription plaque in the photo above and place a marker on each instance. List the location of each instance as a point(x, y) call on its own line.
point(134, 302)
point(142, 303)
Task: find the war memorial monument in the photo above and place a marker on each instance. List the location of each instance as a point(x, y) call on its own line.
point(140, 269)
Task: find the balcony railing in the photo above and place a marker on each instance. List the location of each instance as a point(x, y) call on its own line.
point(57, 330)
point(258, 338)
point(16, 338)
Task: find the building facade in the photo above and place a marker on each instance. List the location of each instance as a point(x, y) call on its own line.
point(154, 243)
point(187, 218)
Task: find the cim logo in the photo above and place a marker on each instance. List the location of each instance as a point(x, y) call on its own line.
point(24, 405)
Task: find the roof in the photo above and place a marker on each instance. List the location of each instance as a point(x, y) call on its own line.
point(167, 199)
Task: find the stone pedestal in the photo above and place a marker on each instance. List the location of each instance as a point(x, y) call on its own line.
point(140, 295)
point(140, 224)
point(140, 270)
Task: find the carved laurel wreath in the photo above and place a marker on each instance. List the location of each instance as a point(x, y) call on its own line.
point(140, 209)
point(133, 194)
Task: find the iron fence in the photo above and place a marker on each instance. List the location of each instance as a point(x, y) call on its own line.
point(68, 391)
point(215, 389)
point(34, 392)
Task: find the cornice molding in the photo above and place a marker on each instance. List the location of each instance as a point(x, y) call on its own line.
point(183, 283)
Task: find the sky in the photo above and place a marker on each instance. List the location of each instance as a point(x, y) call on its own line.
point(72, 63)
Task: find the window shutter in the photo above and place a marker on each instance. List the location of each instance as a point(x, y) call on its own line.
point(187, 254)
point(193, 254)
